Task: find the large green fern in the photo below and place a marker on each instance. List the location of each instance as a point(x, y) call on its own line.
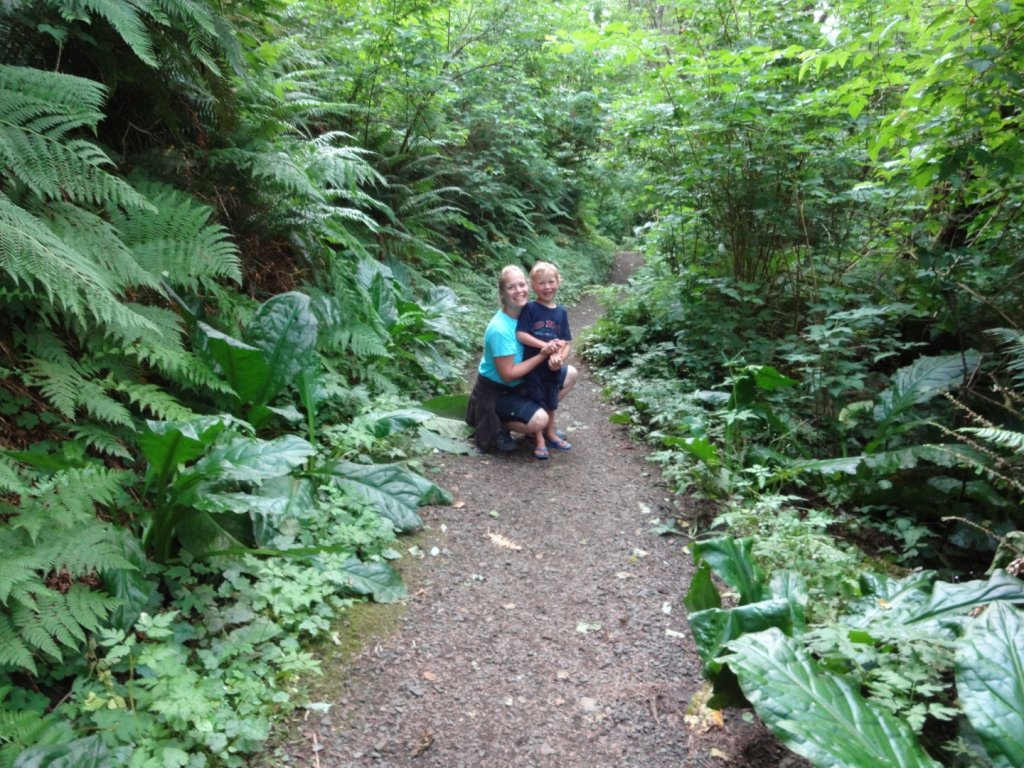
point(55, 549)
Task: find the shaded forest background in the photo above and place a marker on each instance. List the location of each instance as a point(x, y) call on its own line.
point(246, 251)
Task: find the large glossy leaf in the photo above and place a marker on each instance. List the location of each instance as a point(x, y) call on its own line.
point(449, 406)
point(379, 580)
point(730, 558)
point(713, 628)
point(252, 460)
point(242, 365)
point(990, 682)
point(168, 444)
point(87, 752)
point(891, 600)
point(392, 422)
point(919, 382)
point(285, 330)
point(395, 491)
point(816, 714)
point(702, 593)
point(201, 533)
point(960, 598)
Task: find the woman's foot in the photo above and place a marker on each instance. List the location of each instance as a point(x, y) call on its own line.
point(558, 444)
point(540, 452)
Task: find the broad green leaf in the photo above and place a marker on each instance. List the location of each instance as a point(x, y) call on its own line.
point(456, 445)
point(922, 380)
point(379, 580)
point(889, 599)
point(449, 406)
point(392, 422)
point(792, 587)
point(816, 714)
point(396, 492)
point(730, 558)
point(990, 682)
point(252, 460)
point(285, 330)
point(713, 628)
point(960, 598)
point(87, 752)
point(130, 585)
point(700, 447)
point(202, 533)
point(702, 593)
point(168, 444)
point(242, 365)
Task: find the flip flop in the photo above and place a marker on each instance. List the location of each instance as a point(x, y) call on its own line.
point(540, 453)
point(559, 444)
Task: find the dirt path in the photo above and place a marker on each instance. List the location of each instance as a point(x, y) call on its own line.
point(545, 625)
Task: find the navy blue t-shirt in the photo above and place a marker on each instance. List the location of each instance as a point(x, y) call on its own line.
point(546, 324)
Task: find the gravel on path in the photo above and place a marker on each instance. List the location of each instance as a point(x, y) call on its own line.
point(544, 626)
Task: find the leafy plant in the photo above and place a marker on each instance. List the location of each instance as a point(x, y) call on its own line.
point(776, 675)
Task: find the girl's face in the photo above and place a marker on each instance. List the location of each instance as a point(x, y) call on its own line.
point(515, 292)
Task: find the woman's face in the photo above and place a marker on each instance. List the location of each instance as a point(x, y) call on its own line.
point(515, 293)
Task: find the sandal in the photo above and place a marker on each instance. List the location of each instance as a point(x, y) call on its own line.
point(558, 444)
point(540, 453)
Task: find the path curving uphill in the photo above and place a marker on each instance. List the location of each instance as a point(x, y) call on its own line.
point(545, 626)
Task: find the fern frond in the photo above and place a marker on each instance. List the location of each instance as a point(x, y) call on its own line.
point(164, 349)
point(362, 341)
point(47, 102)
point(59, 380)
point(153, 401)
point(176, 239)
point(124, 18)
point(102, 407)
point(48, 620)
point(101, 440)
point(1013, 343)
point(13, 651)
point(275, 168)
point(341, 167)
point(9, 479)
point(33, 255)
point(1004, 438)
point(68, 500)
point(100, 243)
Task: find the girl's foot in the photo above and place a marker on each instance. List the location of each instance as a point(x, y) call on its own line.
point(540, 453)
point(559, 444)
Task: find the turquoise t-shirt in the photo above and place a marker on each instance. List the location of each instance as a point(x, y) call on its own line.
point(500, 341)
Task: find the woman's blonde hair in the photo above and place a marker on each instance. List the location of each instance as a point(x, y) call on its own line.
point(503, 278)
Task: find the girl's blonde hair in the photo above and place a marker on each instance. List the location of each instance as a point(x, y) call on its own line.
point(542, 267)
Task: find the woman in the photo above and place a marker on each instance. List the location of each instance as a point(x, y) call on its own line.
point(496, 404)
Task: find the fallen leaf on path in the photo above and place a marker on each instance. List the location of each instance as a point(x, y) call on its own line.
point(423, 745)
point(501, 541)
point(430, 676)
point(699, 716)
point(584, 627)
point(624, 575)
point(458, 505)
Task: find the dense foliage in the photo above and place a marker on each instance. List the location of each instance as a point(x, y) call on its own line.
point(827, 342)
point(241, 245)
point(227, 236)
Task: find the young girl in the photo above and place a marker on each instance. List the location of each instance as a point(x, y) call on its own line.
point(541, 323)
